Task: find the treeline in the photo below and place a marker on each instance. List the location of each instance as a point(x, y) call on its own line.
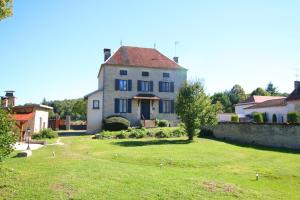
point(76, 108)
point(237, 94)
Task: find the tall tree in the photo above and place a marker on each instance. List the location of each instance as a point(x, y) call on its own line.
point(224, 100)
point(7, 136)
point(237, 94)
point(6, 7)
point(272, 90)
point(260, 92)
point(194, 108)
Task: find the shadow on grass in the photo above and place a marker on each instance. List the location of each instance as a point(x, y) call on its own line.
point(135, 143)
point(71, 133)
point(257, 146)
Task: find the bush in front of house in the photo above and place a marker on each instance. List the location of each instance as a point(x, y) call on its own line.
point(45, 134)
point(235, 118)
point(258, 117)
point(274, 118)
point(138, 133)
point(265, 117)
point(161, 123)
point(115, 123)
point(293, 117)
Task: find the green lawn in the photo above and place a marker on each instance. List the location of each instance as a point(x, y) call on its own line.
point(84, 168)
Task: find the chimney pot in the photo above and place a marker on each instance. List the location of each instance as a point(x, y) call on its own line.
point(107, 54)
point(175, 59)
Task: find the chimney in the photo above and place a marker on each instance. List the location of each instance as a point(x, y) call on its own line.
point(107, 54)
point(10, 98)
point(297, 85)
point(175, 59)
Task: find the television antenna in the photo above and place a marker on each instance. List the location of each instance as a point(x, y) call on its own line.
point(175, 44)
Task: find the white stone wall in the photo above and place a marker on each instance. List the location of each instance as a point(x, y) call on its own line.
point(135, 73)
point(280, 111)
point(40, 120)
point(239, 109)
point(94, 116)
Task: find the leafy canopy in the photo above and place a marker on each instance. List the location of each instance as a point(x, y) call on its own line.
point(194, 108)
point(6, 8)
point(7, 136)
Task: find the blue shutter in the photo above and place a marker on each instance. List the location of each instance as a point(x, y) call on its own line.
point(129, 85)
point(172, 106)
point(171, 86)
point(160, 86)
point(151, 86)
point(160, 106)
point(139, 85)
point(129, 102)
point(117, 84)
point(117, 102)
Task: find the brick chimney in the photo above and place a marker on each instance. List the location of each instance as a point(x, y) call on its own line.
point(175, 59)
point(9, 100)
point(297, 85)
point(107, 54)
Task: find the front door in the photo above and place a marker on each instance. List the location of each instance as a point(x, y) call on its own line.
point(145, 109)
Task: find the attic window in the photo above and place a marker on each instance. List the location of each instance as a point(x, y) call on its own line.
point(123, 72)
point(166, 75)
point(145, 73)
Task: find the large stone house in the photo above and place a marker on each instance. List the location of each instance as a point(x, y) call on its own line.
point(280, 106)
point(139, 84)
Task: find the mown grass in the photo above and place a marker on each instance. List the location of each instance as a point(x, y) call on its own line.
point(151, 169)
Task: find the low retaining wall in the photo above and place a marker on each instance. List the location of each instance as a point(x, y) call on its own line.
point(272, 135)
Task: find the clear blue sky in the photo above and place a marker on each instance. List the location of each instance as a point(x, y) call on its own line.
point(53, 49)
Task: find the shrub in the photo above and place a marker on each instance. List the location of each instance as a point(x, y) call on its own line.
point(162, 134)
point(293, 117)
point(265, 117)
point(122, 135)
point(178, 132)
point(258, 117)
point(115, 123)
point(235, 118)
point(206, 133)
point(163, 123)
point(45, 133)
point(274, 118)
point(138, 133)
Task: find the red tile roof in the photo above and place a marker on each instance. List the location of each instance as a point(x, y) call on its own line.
point(270, 103)
point(141, 57)
point(259, 99)
point(22, 117)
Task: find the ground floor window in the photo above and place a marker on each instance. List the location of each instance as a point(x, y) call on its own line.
point(166, 106)
point(122, 105)
point(96, 104)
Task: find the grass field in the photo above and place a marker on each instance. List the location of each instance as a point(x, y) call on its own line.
point(84, 168)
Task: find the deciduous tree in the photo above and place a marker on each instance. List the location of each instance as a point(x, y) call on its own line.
point(6, 8)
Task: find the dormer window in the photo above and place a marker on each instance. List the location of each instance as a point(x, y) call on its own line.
point(123, 72)
point(166, 75)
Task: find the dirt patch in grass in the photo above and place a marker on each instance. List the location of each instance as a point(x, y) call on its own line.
point(6, 191)
point(213, 186)
point(62, 188)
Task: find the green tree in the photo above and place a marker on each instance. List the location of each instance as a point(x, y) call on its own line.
point(194, 108)
point(272, 90)
point(6, 8)
point(7, 136)
point(224, 100)
point(260, 92)
point(80, 109)
point(237, 94)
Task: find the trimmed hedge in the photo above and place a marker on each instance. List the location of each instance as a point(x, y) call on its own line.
point(115, 123)
point(274, 118)
point(235, 118)
point(162, 123)
point(293, 117)
point(258, 117)
point(45, 133)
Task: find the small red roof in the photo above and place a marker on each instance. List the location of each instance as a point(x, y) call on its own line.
point(141, 57)
point(22, 117)
point(259, 99)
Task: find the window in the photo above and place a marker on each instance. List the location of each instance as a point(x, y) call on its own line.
point(122, 105)
point(96, 104)
point(145, 73)
point(123, 85)
point(166, 86)
point(166, 75)
point(166, 106)
point(123, 72)
point(145, 86)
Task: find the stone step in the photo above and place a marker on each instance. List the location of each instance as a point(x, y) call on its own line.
point(148, 123)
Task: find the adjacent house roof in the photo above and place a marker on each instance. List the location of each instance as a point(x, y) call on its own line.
point(270, 103)
point(23, 117)
point(259, 99)
point(294, 96)
point(141, 57)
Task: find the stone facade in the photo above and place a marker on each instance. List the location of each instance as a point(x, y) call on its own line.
point(272, 135)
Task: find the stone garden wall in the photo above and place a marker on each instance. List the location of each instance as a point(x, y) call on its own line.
point(272, 135)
